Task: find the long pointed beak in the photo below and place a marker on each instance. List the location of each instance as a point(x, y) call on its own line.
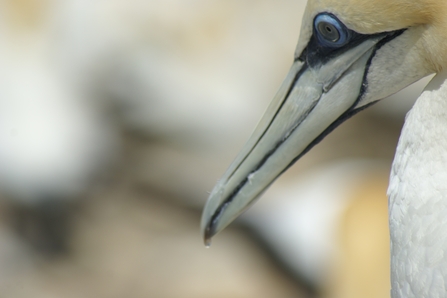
point(313, 99)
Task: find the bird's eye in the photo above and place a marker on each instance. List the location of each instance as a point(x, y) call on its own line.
point(330, 31)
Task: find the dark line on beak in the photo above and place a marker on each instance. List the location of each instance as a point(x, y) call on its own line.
point(295, 79)
point(209, 231)
point(327, 131)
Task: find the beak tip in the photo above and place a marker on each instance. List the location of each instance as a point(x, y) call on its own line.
point(207, 242)
point(208, 233)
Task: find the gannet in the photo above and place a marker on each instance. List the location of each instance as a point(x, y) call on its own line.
point(350, 54)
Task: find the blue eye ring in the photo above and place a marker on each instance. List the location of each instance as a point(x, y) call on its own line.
point(330, 31)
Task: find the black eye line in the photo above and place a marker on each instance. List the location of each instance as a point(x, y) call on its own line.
point(314, 53)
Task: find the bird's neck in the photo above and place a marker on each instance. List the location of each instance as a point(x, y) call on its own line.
point(418, 198)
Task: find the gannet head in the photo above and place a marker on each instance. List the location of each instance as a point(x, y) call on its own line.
point(350, 54)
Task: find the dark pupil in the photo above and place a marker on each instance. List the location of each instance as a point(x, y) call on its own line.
point(328, 31)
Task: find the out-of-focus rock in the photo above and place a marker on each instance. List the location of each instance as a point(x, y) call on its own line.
point(133, 244)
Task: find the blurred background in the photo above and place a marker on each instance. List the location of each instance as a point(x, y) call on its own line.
point(116, 119)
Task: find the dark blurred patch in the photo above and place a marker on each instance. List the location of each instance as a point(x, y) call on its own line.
point(46, 227)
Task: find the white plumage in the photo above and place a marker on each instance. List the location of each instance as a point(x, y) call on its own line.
point(418, 198)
